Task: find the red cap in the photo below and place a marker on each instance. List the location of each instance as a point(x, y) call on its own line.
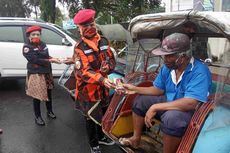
point(84, 16)
point(33, 28)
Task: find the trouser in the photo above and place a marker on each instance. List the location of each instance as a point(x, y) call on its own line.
point(36, 104)
point(94, 131)
point(173, 122)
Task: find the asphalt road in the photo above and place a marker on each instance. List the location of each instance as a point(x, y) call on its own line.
point(66, 134)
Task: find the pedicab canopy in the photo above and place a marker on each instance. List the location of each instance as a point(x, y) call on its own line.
point(115, 32)
point(211, 24)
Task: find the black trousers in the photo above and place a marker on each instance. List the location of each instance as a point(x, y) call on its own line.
point(36, 104)
point(94, 131)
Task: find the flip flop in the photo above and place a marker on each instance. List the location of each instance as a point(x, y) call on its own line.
point(125, 142)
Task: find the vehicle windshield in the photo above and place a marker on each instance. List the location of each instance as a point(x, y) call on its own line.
point(72, 35)
point(215, 52)
point(140, 54)
point(219, 53)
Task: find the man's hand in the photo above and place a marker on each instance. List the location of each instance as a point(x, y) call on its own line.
point(149, 116)
point(129, 89)
point(108, 83)
point(68, 60)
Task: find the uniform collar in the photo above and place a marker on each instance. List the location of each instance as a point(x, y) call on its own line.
point(93, 43)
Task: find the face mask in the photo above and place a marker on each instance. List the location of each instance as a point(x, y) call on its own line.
point(174, 65)
point(90, 32)
point(35, 41)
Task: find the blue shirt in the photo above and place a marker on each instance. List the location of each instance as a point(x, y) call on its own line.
point(195, 82)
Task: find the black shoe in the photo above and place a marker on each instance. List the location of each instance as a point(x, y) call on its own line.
point(106, 141)
point(51, 115)
point(95, 149)
point(39, 121)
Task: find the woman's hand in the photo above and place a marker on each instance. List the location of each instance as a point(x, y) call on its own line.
point(68, 60)
point(55, 60)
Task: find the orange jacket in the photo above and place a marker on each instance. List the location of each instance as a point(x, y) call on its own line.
point(89, 57)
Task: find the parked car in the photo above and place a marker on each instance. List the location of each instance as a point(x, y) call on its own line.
point(12, 37)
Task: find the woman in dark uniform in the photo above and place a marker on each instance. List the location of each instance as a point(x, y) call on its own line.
point(39, 80)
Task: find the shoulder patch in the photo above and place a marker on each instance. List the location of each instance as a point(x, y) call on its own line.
point(26, 49)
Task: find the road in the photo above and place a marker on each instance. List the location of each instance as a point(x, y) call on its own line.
point(66, 134)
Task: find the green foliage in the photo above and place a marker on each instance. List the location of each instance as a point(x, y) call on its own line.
point(15, 8)
point(74, 6)
point(120, 10)
point(125, 10)
point(47, 8)
point(24, 8)
point(108, 11)
point(59, 17)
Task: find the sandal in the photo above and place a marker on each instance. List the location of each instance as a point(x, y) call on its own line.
point(125, 142)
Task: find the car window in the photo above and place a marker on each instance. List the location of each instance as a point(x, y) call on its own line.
point(50, 37)
point(73, 33)
point(11, 34)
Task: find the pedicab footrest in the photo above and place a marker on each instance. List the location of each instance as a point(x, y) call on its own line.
point(67, 80)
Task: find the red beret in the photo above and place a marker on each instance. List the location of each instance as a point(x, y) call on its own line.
point(33, 28)
point(84, 16)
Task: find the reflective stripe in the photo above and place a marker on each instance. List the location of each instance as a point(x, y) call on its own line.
point(88, 51)
point(45, 48)
point(35, 48)
point(104, 47)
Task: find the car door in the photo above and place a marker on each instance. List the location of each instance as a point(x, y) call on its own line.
point(57, 48)
point(12, 62)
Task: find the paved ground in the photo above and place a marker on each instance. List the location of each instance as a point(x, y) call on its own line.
point(66, 134)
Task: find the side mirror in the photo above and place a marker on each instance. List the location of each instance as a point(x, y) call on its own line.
point(208, 60)
point(66, 42)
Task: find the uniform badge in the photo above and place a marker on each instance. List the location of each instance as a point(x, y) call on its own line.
point(26, 50)
point(78, 64)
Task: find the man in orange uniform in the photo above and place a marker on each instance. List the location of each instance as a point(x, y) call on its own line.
point(93, 61)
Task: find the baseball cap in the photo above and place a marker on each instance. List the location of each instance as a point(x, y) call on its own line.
point(84, 16)
point(174, 43)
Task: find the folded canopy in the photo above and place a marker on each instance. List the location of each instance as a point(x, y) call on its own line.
point(212, 24)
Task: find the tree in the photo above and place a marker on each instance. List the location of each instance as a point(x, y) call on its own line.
point(117, 9)
point(59, 17)
point(74, 6)
point(47, 8)
point(35, 4)
point(15, 8)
